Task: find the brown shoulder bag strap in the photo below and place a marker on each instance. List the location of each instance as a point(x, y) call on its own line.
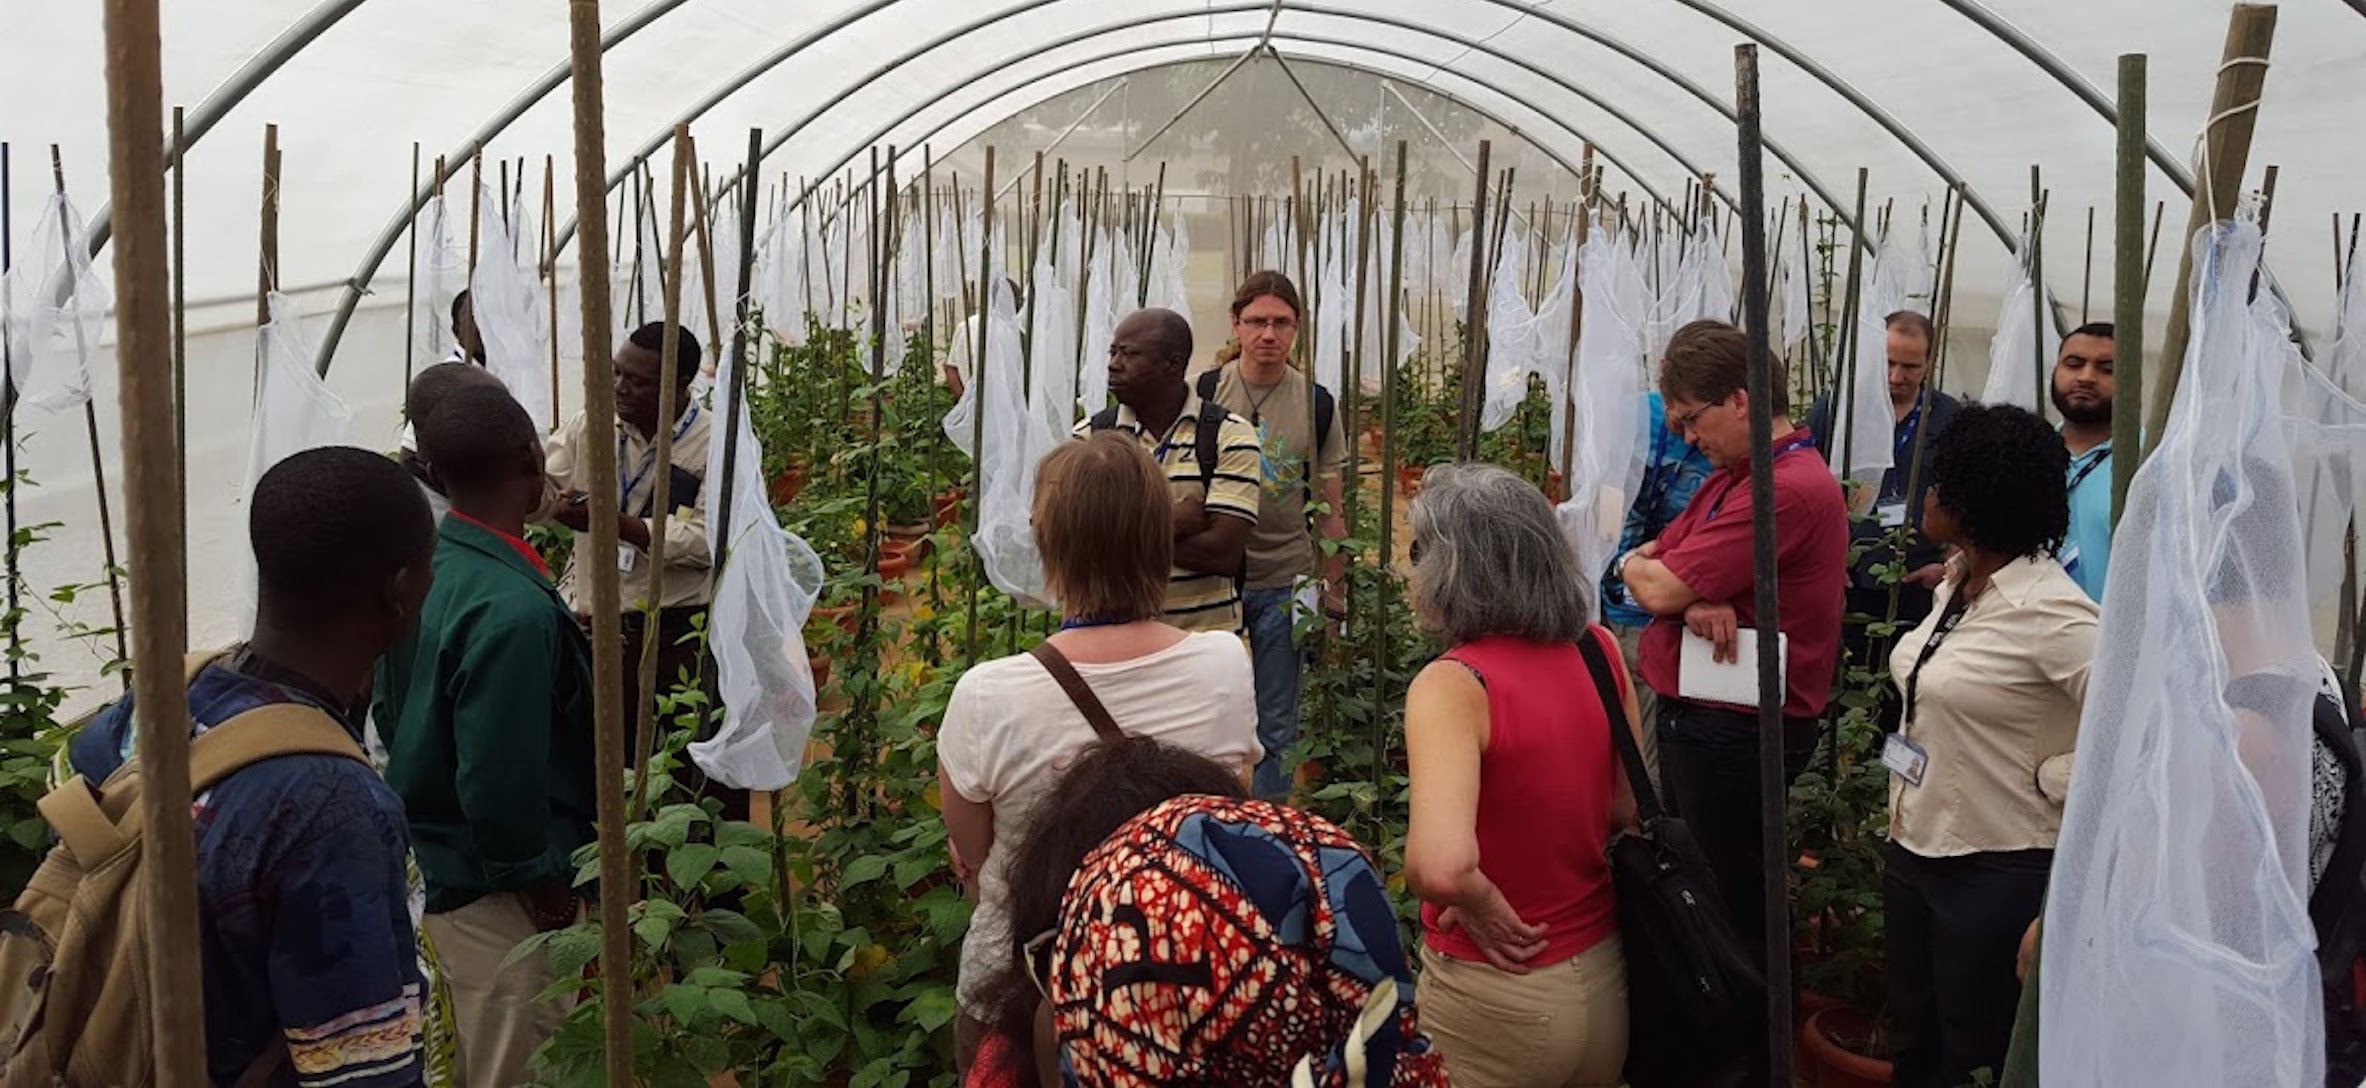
point(1080, 693)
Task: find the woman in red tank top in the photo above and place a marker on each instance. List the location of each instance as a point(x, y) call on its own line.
point(1515, 794)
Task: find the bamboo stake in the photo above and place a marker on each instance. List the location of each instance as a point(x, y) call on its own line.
point(2226, 152)
point(735, 391)
point(476, 187)
point(550, 267)
point(410, 270)
point(983, 309)
point(180, 300)
point(1388, 466)
point(1474, 343)
point(2152, 248)
point(2042, 354)
point(661, 485)
point(2086, 280)
point(143, 336)
point(8, 487)
point(864, 712)
point(1771, 786)
point(702, 230)
point(267, 267)
point(617, 885)
point(1352, 480)
point(98, 463)
point(1586, 194)
point(2267, 209)
point(1844, 363)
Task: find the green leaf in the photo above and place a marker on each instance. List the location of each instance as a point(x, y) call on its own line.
point(689, 864)
point(527, 947)
point(728, 926)
point(933, 1009)
point(657, 923)
point(572, 948)
point(734, 1004)
point(707, 1053)
point(676, 1075)
point(912, 871)
point(749, 865)
point(732, 833)
point(814, 1006)
point(715, 976)
point(684, 1002)
point(863, 870)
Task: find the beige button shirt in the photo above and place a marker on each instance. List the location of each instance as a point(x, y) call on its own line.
point(688, 562)
point(1999, 697)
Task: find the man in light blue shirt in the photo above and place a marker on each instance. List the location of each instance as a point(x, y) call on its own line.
point(2083, 395)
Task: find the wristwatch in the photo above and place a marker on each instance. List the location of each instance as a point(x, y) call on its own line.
point(1618, 566)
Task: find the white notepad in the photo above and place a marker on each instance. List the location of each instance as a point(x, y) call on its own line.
point(1701, 678)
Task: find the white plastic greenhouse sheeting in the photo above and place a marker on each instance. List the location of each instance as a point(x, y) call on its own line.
point(382, 73)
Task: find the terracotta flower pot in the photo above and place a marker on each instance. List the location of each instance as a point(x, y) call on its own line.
point(893, 565)
point(841, 614)
point(821, 670)
point(905, 533)
point(1825, 1062)
point(1409, 479)
point(785, 485)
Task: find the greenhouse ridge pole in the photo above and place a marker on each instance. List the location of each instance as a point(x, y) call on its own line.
point(135, 113)
point(1771, 791)
point(2226, 153)
point(617, 884)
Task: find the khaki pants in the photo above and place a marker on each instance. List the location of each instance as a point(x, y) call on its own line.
point(1563, 1025)
point(1630, 645)
point(500, 1023)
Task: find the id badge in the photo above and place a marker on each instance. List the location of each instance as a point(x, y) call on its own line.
point(1892, 514)
point(628, 558)
point(1905, 758)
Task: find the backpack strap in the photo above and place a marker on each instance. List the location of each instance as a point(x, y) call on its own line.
point(2341, 891)
point(1103, 419)
point(1079, 692)
point(1324, 408)
point(1207, 382)
point(1622, 737)
point(1207, 440)
point(267, 732)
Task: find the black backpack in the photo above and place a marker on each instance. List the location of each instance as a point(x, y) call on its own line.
point(2337, 908)
point(1206, 445)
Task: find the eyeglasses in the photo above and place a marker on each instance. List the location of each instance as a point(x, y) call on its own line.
point(1413, 553)
point(1684, 424)
point(1269, 324)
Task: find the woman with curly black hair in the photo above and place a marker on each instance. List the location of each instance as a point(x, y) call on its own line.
point(1992, 681)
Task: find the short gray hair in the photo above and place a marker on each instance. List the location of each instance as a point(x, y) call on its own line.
point(1493, 561)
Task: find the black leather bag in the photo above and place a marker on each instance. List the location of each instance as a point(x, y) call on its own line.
point(1695, 1001)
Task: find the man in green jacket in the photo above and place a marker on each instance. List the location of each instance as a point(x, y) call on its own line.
point(485, 709)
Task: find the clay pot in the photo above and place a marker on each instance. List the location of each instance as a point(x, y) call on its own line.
point(893, 565)
point(821, 670)
point(1825, 1062)
point(784, 485)
point(1409, 479)
point(841, 614)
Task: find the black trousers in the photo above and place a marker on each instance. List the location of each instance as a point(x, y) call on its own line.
point(1952, 929)
point(1708, 764)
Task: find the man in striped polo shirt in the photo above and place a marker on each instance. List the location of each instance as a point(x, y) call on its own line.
point(1212, 459)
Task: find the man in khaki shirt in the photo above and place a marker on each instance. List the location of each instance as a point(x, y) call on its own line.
point(685, 586)
point(1288, 411)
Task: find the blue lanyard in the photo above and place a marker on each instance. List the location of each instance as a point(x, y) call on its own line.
point(1074, 622)
point(1903, 437)
point(1798, 440)
point(648, 464)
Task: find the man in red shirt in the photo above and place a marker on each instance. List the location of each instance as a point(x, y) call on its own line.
point(1699, 576)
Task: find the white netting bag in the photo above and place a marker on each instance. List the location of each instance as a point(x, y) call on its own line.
point(1101, 307)
point(1051, 353)
point(1014, 439)
point(512, 313)
point(2178, 948)
point(1511, 336)
point(1862, 422)
point(54, 309)
point(438, 272)
point(756, 626)
point(294, 412)
point(2013, 360)
point(2329, 436)
point(1608, 392)
point(778, 284)
point(1798, 319)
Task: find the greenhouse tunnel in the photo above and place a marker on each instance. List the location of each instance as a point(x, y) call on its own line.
point(1925, 137)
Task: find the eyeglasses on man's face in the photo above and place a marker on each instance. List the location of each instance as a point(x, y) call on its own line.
point(1268, 324)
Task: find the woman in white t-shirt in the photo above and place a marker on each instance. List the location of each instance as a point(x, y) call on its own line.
point(1104, 523)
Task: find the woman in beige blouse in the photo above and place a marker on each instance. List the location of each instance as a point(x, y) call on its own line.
point(1992, 681)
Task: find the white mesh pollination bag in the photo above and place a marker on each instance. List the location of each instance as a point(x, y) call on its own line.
point(1015, 438)
point(294, 412)
point(2328, 411)
point(54, 310)
point(2178, 949)
point(1511, 336)
point(2014, 361)
point(1608, 391)
point(512, 313)
point(764, 591)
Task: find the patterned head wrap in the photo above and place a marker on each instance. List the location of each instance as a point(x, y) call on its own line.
point(1234, 942)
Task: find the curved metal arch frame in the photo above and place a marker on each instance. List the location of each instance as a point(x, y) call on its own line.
point(855, 86)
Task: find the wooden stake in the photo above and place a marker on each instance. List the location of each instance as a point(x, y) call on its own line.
point(8, 485)
point(410, 274)
point(144, 350)
point(180, 281)
point(476, 204)
point(2226, 153)
point(2043, 355)
point(617, 883)
point(1474, 343)
point(1388, 467)
point(98, 463)
point(1844, 363)
point(1772, 791)
point(661, 491)
point(984, 309)
point(550, 269)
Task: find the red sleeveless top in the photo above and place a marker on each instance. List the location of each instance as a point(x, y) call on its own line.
point(1546, 781)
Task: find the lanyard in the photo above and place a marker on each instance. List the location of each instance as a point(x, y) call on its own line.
point(1902, 439)
point(625, 490)
point(1956, 607)
point(1793, 444)
point(2081, 475)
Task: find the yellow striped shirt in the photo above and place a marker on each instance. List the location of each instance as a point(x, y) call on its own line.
point(1198, 601)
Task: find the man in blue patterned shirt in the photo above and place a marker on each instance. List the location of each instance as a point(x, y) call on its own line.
point(310, 966)
point(1672, 470)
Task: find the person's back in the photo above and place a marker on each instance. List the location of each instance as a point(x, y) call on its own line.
point(1102, 522)
point(310, 960)
point(1546, 782)
point(485, 707)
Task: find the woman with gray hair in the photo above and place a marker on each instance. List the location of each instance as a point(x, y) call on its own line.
point(1516, 793)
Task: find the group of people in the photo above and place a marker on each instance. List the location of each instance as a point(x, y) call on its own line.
point(1149, 909)
point(399, 598)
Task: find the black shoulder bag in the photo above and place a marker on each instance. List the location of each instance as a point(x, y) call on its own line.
point(1695, 1000)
